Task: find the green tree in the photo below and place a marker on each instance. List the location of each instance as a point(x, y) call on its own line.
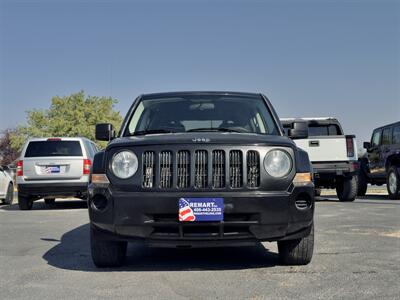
point(74, 115)
point(8, 154)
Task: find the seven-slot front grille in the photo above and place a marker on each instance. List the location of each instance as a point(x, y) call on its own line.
point(200, 169)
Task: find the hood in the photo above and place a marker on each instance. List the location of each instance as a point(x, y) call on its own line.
point(202, 138)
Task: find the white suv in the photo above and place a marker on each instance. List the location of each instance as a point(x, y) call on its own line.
point(51, 168)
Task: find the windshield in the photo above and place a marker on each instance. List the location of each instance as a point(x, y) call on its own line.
point(205, 113)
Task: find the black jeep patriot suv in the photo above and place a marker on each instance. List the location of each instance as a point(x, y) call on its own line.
point(381, 162)
point(201, 169)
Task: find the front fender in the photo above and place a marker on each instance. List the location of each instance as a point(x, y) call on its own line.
point(99, 163)
point(303, 164)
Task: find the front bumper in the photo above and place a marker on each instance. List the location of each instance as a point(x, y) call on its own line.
point(346, 168)
point(248, 217)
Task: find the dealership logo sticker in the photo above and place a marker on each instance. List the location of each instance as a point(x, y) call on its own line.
point(185, 211)
point(201, 209)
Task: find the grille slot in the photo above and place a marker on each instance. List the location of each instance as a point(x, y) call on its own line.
point(165, 169)
point(148, 169)
point(253, 169)
point(183, 169)
point(218, 169)
point(235, 168)
point(201, 169)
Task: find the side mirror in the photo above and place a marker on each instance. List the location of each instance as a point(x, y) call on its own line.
point(299, 130)
point(367, 145)
point(105, 132)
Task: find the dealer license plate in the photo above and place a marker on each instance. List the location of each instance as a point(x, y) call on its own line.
point(52, 169)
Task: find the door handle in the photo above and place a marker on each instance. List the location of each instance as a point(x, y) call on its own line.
point(313, 143)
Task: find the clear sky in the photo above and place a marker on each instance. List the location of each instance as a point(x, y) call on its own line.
point(311, 58)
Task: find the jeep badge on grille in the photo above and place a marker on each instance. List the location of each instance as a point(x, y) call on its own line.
point(201, 140)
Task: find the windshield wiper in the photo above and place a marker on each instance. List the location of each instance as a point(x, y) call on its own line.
point(151, 131)
point(213, 129)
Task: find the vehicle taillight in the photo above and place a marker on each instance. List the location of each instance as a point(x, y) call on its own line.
point(350, 146)
point(20, 168)
point(86, 166)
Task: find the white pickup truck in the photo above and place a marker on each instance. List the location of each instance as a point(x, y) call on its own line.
point(332, 154)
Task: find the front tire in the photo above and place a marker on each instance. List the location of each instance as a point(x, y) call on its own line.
point(10, 194)
point(25, 203)
point(362, 185)
point(297, 252)
point(393, 183)
point(346, 189)
point(106, 254)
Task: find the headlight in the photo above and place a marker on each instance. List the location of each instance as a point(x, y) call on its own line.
point(278, 163)
point(124, 164)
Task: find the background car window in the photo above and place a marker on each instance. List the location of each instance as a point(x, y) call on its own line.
point(376, 138)
point(386, 136)
point(88, 146)
point(53, 148)
point(95, 149)
point(323, 130)
point(396, 135)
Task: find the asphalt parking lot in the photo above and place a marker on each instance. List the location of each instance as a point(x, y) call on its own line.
point(45, 253)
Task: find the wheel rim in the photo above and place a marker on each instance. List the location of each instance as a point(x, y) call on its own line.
point(392, 183)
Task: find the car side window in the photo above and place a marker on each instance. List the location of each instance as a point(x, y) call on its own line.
point(396, 135)
point(95, 149)
point(386, 136)
point(376, 138)
point(89, 149)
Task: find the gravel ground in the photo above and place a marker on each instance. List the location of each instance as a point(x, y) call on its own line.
point(44, 253)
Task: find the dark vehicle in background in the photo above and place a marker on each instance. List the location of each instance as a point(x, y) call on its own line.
point(381, 162)
point(333, 155)
point(200, 169)
point(53, 168)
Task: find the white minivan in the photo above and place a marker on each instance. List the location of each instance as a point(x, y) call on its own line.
point(53, 168)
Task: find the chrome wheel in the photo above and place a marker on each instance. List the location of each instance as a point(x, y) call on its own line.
point(392, 183)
